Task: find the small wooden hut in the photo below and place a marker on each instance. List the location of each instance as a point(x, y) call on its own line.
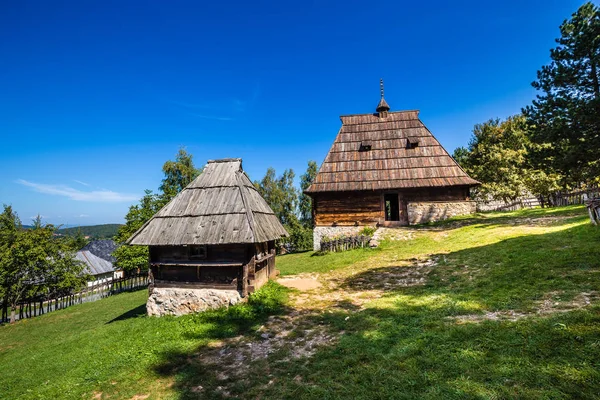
point(386, 169)
point(217, 233)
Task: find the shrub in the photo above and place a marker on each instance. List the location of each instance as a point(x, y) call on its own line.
point(367, 231)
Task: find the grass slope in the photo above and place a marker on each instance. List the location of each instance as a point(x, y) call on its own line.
point(499, 305)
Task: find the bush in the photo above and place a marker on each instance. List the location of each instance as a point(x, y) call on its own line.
point(300, 238)
point(367, 231)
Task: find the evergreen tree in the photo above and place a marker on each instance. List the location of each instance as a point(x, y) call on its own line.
point(565, 118)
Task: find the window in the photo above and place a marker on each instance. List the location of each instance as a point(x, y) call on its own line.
point(365, 146)
point(411, 143)
point(197, 252)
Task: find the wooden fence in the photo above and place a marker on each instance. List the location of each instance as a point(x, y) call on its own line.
point(345, 243)
point(593, 207)
point(575, 197)
point(35, 307)
point(557, 199)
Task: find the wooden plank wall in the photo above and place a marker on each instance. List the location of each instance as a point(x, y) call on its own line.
point(221, 252)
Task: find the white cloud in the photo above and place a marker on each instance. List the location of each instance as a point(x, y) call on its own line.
point(82, 216)
point(81, 183)
point(100, 196)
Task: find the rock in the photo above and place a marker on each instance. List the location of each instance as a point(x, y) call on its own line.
point(180, 301)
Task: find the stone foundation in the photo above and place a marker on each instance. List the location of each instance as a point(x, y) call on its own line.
point(430, 211)
point(319, 232)
point(180, 301)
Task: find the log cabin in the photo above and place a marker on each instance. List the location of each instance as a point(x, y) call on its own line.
point(386, 169)
point(213, 244)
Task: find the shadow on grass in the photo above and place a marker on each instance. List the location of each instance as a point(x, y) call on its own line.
point(409, 345)
point(133, 313)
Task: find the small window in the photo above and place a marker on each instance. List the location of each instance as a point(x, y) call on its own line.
point(411, 143)
point(197, 252)
point(365, 146)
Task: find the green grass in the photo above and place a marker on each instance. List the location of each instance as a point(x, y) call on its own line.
point(311, 262)
point(110, 346)
point(407, 342)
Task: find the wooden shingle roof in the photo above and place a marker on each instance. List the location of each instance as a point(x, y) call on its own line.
point(220, 206)
point(394, 152)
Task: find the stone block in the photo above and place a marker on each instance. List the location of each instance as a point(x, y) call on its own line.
point(319, 232)
point(181, 301)
point(431, 211)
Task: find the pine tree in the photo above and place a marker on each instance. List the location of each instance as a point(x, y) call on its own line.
point(564, 120)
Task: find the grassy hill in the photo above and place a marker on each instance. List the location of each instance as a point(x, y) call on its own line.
point(488, 306)
point(105, 231)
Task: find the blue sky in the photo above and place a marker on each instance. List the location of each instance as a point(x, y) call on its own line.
point(96, 95)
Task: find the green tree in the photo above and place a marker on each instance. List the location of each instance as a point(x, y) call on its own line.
point(282, 197)
point(33, 262)
point(177, 175)
point(10, 225)
point(497, 157)
point(564, 119)
point(280, 194)
point(135, 258)
point(305, 201)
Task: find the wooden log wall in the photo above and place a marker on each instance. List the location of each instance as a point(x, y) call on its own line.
point(367, 208)
point(347, 208)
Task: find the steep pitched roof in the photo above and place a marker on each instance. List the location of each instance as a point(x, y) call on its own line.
point(97, 256)
point(102, 248)
point(394, 152)
point(220, 206)
point(94, 265)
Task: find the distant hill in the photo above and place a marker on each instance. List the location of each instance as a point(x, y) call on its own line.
point(105, 231)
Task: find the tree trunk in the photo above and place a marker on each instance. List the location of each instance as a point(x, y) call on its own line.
point(13, 311)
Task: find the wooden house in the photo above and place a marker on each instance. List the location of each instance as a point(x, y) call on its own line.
point(217, 233)
point(386, 169)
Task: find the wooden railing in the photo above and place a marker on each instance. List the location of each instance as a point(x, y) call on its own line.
point(345, 243)
point(34, 307)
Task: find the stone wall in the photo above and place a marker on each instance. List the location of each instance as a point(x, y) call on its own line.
point(180, 301)
point(319, 232)
point(499, 205)
point(429, 211)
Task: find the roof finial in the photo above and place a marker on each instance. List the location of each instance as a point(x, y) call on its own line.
point(382, 107)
